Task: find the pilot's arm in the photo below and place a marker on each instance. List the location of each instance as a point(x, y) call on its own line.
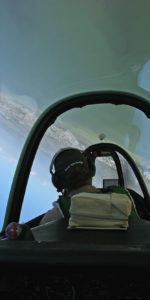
point(51, 215)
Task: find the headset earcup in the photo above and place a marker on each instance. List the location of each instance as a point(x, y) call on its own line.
point(57, 182)
point(91, 163)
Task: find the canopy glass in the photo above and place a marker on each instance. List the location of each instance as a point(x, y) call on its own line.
point(54, 49)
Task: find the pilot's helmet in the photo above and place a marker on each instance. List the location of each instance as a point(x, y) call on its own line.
point(71, 168)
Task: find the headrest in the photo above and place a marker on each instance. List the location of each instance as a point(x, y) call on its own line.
point(100, 211)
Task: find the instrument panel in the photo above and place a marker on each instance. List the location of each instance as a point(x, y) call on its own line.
point(72, 286)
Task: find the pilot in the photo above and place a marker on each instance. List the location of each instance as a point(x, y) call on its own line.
point(72, 172)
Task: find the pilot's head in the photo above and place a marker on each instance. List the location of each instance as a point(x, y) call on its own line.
point(71, 169)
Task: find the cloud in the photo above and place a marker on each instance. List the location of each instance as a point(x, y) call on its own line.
point(18, 110)
point(20, 119)
point(24, 100)
point(45, 183)
point(33, 173)
point(13, 161)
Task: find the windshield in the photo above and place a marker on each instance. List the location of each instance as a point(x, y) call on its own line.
point(54, 49)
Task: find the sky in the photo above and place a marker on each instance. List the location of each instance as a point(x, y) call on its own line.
point(51, 49)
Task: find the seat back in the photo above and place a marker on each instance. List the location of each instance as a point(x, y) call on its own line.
point(100, 211)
